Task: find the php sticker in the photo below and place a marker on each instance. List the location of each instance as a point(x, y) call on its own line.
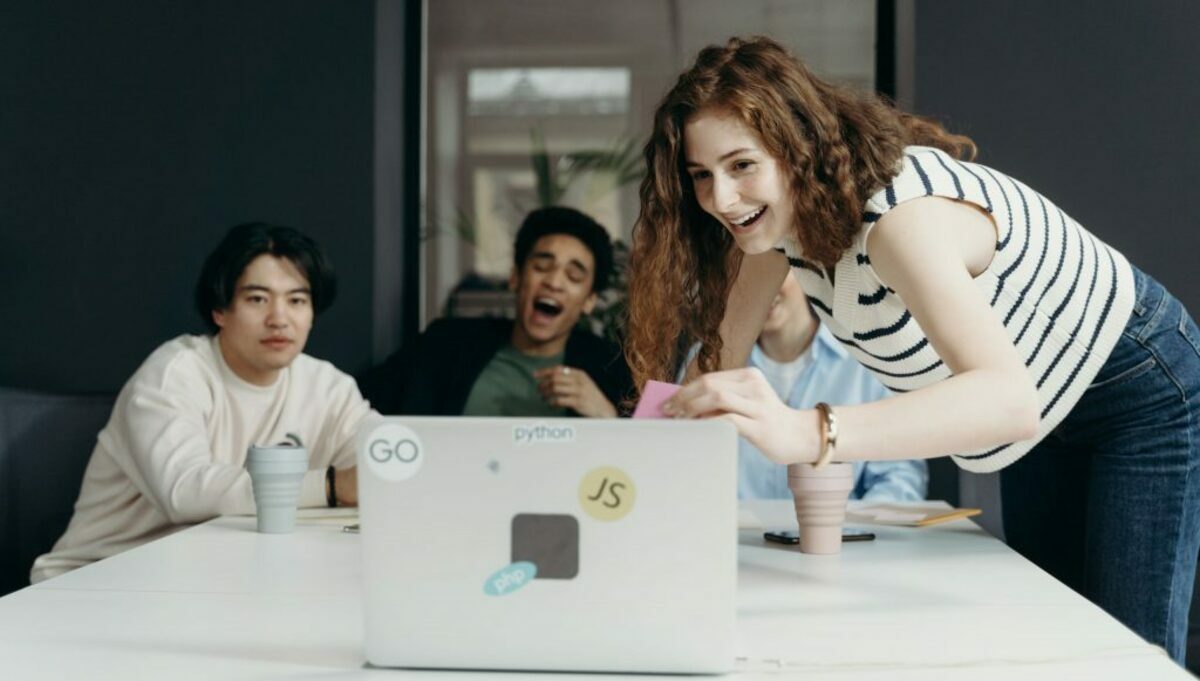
point(510, 578)
point(394, 452)
point(607, 493)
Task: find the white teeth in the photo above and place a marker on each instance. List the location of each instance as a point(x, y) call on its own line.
point(743, 220)
point(549, 301)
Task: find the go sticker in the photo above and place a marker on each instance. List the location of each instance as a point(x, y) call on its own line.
point(607, 493)
point(510, 578)
point(394, 452)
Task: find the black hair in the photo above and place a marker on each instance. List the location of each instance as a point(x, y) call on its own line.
point(242, 244)
point(563, 220)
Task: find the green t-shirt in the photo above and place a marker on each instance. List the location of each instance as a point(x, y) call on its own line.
point(506, 387)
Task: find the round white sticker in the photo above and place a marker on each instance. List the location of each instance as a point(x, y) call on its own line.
point(394, 452)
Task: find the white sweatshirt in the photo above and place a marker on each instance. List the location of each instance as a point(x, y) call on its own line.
point(175, 445)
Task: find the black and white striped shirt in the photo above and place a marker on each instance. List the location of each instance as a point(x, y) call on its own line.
point(1063, 295)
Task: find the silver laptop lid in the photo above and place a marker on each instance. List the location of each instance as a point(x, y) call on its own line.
point(549, 544)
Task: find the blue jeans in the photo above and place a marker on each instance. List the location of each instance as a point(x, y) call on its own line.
point(1109, 502)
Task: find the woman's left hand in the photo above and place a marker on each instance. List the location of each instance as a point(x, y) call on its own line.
point(744, 398)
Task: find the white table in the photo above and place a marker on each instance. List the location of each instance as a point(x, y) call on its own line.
point(219, 601)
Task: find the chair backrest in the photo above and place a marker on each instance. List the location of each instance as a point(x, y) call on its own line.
point(45, 443)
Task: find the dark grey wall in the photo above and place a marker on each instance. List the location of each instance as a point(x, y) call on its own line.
point(133, 134)
point(1093, 104)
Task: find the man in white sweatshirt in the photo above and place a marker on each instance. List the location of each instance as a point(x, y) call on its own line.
point(175, 445)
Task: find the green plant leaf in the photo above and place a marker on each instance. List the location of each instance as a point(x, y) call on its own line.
point(548, 189)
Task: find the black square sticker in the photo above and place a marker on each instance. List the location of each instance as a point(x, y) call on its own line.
point(551, 542)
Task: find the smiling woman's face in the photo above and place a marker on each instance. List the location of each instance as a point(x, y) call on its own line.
point(736, 181)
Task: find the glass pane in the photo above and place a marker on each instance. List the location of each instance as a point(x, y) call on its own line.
point(548, 92)
point(552, 100)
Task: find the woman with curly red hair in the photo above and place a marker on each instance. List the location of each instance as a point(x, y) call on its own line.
point(1012, 338)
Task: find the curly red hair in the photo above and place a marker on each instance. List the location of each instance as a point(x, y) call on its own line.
point(839, 146)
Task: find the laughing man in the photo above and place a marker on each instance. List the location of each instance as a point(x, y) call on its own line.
point(539, 364)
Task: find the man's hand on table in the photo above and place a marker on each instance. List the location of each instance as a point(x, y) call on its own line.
point(345, 484)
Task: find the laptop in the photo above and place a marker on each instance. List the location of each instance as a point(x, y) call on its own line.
point(549, 544)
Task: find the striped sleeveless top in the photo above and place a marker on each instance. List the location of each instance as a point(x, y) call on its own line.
point(1063, 295)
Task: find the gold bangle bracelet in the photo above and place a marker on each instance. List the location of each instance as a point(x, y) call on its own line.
point(829, 434)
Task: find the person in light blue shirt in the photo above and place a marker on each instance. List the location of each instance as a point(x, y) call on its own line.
point(805, 364)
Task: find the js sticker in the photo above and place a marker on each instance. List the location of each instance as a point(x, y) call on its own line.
point(394, 452)
point(607, 493)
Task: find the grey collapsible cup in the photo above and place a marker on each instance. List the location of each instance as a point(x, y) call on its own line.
point(276, 473)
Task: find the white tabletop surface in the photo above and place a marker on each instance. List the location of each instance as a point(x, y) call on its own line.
point(219, 601)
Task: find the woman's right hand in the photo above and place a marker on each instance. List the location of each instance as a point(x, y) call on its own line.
point(744, 398)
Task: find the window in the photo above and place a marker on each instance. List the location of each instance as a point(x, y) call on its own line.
point(551, 101)
point(548, 92)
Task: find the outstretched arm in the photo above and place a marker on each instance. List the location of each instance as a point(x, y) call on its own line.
point(927, 250)
point(168, 454)
point(749, 303)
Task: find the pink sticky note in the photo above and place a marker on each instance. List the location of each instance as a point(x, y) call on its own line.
point(653, 396)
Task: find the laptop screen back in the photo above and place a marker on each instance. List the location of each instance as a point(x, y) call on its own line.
point(550, 544)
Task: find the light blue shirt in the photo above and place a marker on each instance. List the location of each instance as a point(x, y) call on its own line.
point(835, 377)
